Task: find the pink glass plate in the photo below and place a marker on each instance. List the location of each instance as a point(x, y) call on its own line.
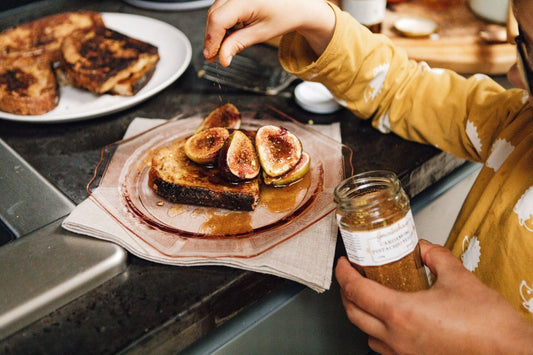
point(120, 186)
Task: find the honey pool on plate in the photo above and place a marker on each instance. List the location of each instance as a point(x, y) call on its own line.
point(220, 222)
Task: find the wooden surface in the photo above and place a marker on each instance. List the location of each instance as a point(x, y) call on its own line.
point(457, 45)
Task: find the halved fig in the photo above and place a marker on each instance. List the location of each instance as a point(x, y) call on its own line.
point(204, 147)
point(278, 149)
point(227, 116)
point(238, 160)
point(292, 175)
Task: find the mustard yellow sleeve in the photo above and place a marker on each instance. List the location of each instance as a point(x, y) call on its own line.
point(474, 118)
point(376, 80)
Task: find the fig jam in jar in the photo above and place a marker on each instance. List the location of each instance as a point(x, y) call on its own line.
point(378, 230)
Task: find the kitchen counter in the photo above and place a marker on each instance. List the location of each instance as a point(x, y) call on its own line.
point(153, 307)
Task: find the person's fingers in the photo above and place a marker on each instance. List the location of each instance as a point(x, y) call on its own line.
point(439, 259)
point(220, 18)
point(242, 38)
point(364, 321)
point(368, 295)
point(345, 272)
point(379, 347)
point(216, 4)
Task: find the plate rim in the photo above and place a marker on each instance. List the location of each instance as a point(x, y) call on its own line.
point(128, 102)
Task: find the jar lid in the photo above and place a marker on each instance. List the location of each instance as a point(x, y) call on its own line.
point(315, 97)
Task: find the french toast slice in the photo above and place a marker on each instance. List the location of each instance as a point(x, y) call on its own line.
point(43, 37)
point(178, 179)
point(27, 86)
point(102, 59)
point(130, 86)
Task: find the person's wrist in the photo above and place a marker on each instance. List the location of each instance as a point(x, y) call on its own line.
point(319, 32)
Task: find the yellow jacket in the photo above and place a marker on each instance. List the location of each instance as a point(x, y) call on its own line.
point(474, 119)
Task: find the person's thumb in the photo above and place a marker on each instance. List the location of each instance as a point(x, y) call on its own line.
point(439, 260)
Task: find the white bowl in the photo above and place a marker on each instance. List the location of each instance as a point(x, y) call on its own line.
point(315, 97)
point(491, 10)
point(415, 26)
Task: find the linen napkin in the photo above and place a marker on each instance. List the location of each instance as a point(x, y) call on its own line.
point(306, 258)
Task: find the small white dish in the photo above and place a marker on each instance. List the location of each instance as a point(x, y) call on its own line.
point(415, 26)
point(315, 97)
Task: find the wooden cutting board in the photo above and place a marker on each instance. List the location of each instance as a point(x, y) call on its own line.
point(458, 45)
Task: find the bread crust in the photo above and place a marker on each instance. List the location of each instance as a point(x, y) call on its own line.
point(133, 84)
point(27, 86)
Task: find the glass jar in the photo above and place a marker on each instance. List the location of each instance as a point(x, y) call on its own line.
point(370, 13)
point(378, 230)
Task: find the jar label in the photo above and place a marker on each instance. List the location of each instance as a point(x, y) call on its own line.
point(381, 246)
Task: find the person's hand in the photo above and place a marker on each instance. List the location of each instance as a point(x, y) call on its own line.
point(457, 315)
point(256, 21)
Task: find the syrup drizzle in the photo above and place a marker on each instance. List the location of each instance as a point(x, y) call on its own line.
point(218, 82)
point(237, 224)
point(227, 223)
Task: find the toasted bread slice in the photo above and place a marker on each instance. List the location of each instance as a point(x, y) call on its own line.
point(178, 179)
point(101, 59)
point(45, 35)
point(132, 85)
point(27, 86)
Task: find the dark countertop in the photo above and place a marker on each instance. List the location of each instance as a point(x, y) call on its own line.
point(152, 306)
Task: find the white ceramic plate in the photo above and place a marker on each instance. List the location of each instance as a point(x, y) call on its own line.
point(175, 53)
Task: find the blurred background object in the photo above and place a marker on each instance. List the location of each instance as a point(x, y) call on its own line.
point(370, 13)
point(171, 5)
point(490, 10)
point(464, 42)
point(441, 4)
